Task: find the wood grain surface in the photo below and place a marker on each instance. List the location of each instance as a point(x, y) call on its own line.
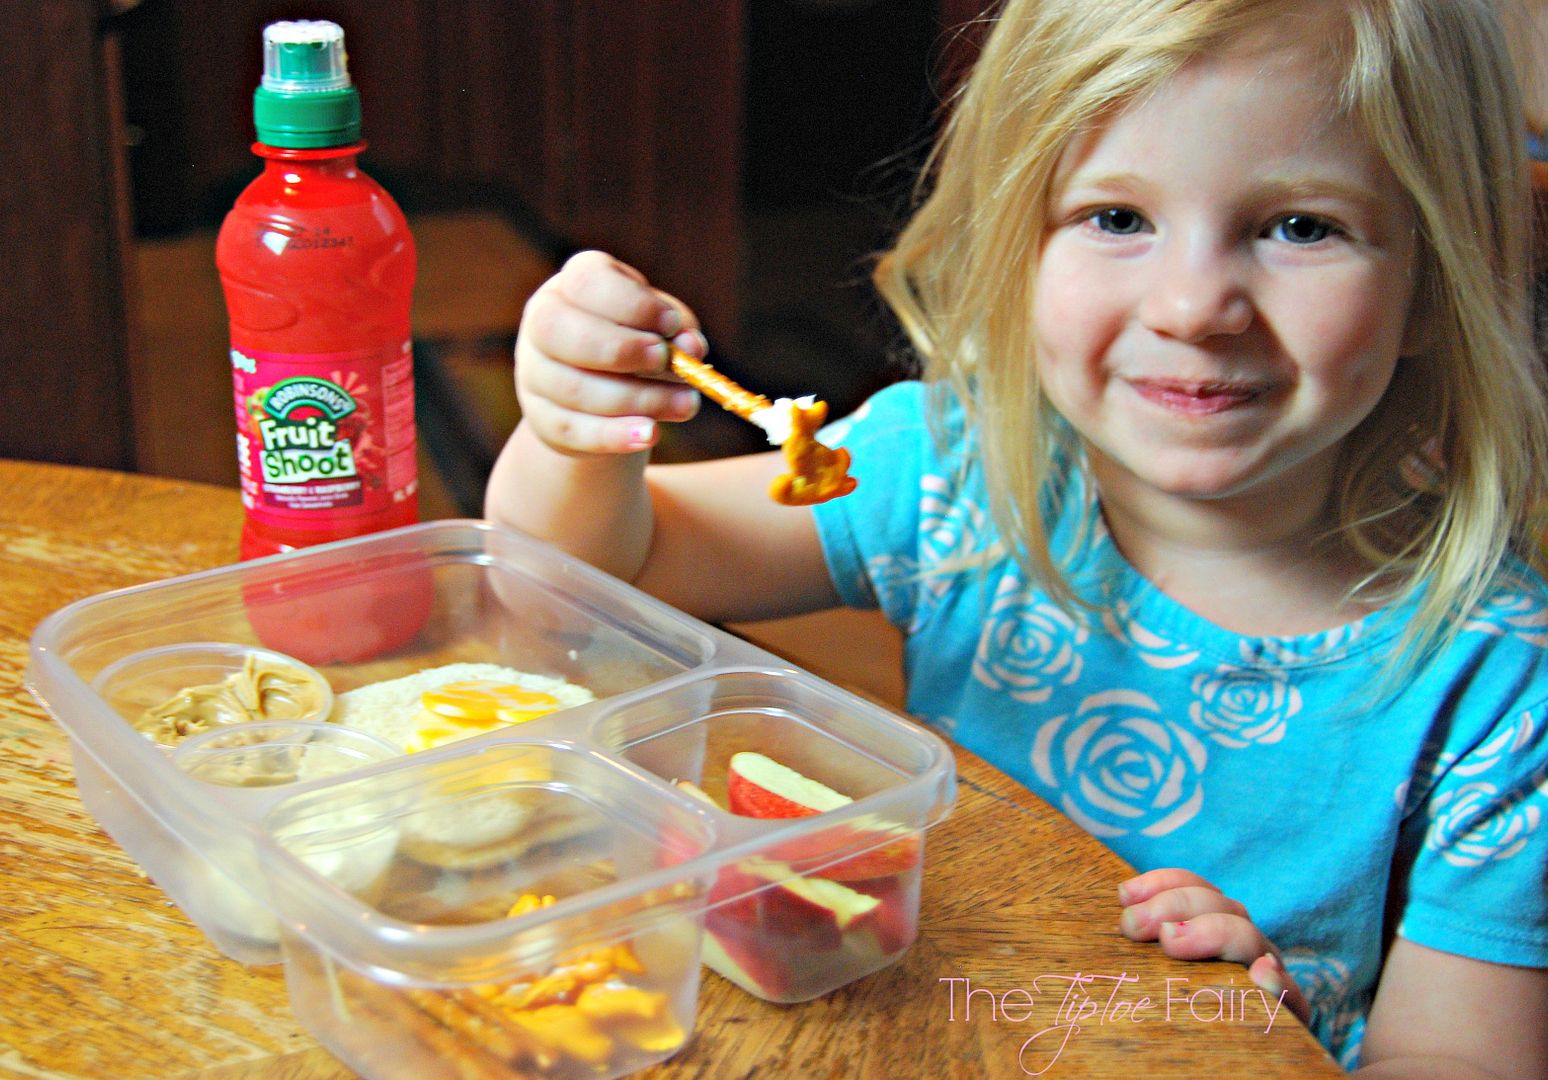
point(101, 976)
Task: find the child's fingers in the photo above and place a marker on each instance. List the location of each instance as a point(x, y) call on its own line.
point(1142, 921)
point(555, 328)
point(573, 432)
point(1268, 974)
point(1215, 935)
point(614, 290)
point(1152, 882)
point(602, 394)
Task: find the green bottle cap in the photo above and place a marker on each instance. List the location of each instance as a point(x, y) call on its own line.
point(305, 99)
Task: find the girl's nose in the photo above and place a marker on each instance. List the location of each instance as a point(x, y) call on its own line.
point(1195, 293)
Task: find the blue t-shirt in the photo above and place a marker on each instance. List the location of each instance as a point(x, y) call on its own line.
point(1272, 766)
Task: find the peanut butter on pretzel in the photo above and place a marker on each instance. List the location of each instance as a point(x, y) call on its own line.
point(817, 472)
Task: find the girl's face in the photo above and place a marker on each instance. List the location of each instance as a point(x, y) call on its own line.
point(1224, 289)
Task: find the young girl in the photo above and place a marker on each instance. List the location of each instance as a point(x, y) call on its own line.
point(1205, 519)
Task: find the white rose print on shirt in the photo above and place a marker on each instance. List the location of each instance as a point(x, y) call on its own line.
point(1028, 646)
point(1155, 650)
point(1436, 762)
point(1237, 706)
point(1510, 740)
point(892, 581)
point(946, 725)
point(951, 534)
point(1469, 827)
point(1321, 978)
point(1325, 982)
point(1120, 766)
point(1522, 614)
point(950, 528)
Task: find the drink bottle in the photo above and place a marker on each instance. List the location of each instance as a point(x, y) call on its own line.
point(317, 264)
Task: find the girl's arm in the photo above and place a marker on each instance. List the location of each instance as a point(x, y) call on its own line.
point(1440, 1015)
point(591, 377)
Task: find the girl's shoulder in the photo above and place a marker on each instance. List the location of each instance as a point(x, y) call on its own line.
point(1512, 616)
point(899, 410)
point(907, 440)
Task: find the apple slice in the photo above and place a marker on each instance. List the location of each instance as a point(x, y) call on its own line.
point(688, 787)
point(886, 858)
point(811, 910)
point(677, 847)
point(760, 787)
point(738, 957)
point(896, 921)
point(736, 897)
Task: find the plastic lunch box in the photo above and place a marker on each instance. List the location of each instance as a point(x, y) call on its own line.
point(575, 885)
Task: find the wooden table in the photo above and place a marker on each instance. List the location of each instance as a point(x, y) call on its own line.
point(100, 976)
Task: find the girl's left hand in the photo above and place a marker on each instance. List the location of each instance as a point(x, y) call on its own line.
point(1193, 920)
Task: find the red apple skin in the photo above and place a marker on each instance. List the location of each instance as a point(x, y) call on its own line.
point(780, 915)
point(738, 954)
point(759, 787)
point(896, 857)
point(747, 909)
point(792, 919)
point(895, 922)
point(747, 799)
point(784, 932)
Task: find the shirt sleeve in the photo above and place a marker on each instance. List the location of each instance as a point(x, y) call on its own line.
point(1478, 884)
point(870, 538)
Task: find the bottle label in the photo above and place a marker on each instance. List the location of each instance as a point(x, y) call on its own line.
point(324, 435)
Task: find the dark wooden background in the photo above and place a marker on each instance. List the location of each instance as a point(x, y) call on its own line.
point(657, 130)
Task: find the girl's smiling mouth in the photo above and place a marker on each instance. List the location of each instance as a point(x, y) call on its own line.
point(1197, 398)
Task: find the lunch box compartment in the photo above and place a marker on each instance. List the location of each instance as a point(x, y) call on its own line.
point(526, 915)
point(390, 890)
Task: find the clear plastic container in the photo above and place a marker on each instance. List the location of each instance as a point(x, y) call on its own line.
point(388, 889)
point(145, 681)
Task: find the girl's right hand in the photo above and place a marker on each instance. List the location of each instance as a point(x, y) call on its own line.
point(1194, 920)
point(592, 366)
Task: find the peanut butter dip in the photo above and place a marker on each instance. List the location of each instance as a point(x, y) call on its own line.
point(261, 690)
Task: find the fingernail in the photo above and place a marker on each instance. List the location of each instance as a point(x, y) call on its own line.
point(685, 401)
point(657, 354)
point(670, 323)
point(691, 341)
point(642, 434)
point(1130, 920)
point(1123, 893)
point(1269, 975)
point(1174, 929)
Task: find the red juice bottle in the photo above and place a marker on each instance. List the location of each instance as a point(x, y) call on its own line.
point(318, 268)
point(318, 264)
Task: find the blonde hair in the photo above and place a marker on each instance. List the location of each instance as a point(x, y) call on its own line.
point(1431, 83)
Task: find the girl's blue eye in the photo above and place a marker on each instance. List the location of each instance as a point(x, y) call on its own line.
point(1303, 228)
point(1119, 221)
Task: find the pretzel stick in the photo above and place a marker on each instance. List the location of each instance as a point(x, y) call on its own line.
point(463, 1014)
point(817, 473)
point(469, 1057)
point(718, 388)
